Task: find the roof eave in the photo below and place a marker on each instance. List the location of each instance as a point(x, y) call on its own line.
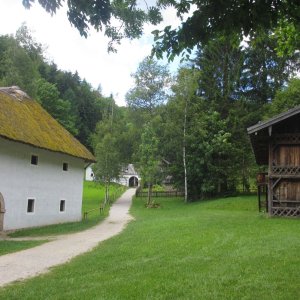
point(87, 160)
point(274, 120)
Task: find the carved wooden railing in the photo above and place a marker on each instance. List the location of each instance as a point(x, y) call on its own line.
point(285, 170)
point(286, 211)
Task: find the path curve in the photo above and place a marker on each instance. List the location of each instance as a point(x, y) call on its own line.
point(34, 261)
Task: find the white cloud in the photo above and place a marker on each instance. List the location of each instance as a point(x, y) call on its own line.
point(89, 56)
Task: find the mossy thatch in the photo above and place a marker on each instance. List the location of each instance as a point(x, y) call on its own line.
point(23, 120)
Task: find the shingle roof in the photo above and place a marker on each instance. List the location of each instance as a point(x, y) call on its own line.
point(274, 120)
point(24, 120)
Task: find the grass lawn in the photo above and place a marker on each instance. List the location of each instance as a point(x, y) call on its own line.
point(93, 195)
point(13, 246)
point(220, 249)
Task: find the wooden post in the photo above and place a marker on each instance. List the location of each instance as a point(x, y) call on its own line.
point(258, 196)
point(270, 181)
point(266, 198)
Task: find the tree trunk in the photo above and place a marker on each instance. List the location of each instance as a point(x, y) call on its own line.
point(106, 192)
point(149, 193)
point(184, 155)
point(108, 186)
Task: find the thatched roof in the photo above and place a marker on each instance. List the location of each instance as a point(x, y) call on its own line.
point(24, 120)
point(262, 133)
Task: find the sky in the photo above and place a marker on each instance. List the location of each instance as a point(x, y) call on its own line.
point(71, 52)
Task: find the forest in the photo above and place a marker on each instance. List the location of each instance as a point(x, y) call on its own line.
point(190, 126)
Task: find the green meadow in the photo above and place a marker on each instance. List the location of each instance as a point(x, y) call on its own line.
point(217, 249)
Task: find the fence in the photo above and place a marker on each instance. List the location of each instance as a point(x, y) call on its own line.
point(85, 214)
point(140, 193)
point(157, 194)
point(102, 206)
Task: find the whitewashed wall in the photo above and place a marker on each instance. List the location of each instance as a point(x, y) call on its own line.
point(47, 183)
point(124, 179)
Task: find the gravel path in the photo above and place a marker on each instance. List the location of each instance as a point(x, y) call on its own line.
point(32, 262)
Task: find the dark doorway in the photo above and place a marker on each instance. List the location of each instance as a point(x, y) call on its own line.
point(133, 181)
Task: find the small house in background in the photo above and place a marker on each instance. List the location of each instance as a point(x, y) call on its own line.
point(89, 173)
point(42, 165)
point(276, 144)
point(128, 176)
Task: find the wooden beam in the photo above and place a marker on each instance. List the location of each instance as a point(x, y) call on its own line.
point(270, 130)
point(270, 185)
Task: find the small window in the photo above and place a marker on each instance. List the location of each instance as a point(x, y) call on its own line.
point(62, 205)
point(65, 166)
point(30, 206)
point(34, 159)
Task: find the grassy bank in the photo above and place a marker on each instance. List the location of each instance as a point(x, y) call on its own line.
point(93, 196)
point(14, 246)
point(220, 249)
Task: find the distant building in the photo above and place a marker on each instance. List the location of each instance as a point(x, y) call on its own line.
point(42, 165)
point(129, 176)
point(89, 174)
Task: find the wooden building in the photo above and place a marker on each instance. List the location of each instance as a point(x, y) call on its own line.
point(276, 143)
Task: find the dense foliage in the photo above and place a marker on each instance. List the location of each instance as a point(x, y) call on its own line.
point(149, 158)
point(149, 92)
point(209, 19)
point(194, 132)
point(129, 17)
point(206, 20)
point(201, 129)
point(68, 98)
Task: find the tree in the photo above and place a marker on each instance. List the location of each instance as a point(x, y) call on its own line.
point(26, 41)
point(48, 96)
point(176, 126)
point(236, 82)
point(87, 104)
point(210, 152)
point(68, 98)
point(149, 92)
point(264, 72)
point(145, 99)
point(242, 114)
point(107, 147)
point(149, 158)
point(108, 164)
point(214, 17)
point(220, 63)
point(218, 153)
point(288, 38)
point(286, 98)
point(98, 14)
point(16, 66)
point(207, 19)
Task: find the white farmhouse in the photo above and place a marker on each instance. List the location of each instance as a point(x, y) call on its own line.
point(128, 176)
point(41, 165)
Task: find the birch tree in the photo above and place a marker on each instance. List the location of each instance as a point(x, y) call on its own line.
point(179, 110)
point(108, 151)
